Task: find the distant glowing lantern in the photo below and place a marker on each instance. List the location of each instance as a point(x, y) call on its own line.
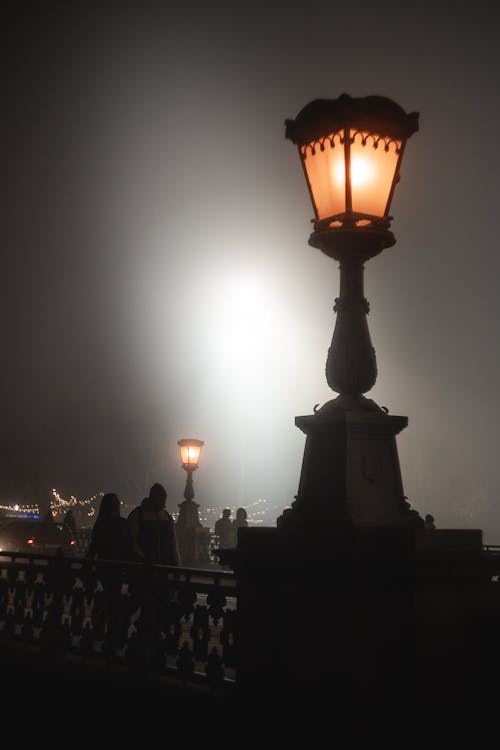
point(190, 452)
point(351, 151)
point(188, 510)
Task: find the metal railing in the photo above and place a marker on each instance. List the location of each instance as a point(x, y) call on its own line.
point(154, 619)
point(82, 538)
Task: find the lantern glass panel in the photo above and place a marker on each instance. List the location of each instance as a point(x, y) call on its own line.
point(190, 454)
point(326, 175)
point(374, 161)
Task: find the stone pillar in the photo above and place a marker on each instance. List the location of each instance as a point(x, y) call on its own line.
point(350, 470)
point(193, 538)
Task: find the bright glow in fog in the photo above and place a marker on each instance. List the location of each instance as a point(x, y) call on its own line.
point(227, 346)
point(243, 329)
point(241, 318)
point(362, 172)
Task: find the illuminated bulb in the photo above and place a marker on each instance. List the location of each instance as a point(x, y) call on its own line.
point(361, 172)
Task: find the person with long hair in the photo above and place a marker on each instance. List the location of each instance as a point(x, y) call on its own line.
point(111, 548)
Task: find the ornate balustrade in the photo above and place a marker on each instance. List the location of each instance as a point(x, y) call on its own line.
point(183, 622)
point(155, 619)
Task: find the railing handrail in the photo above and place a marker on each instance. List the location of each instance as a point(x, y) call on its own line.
point(174, 569)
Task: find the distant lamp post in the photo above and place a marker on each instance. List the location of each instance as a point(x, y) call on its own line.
point(193, 538)
point(351, 151)
point(190, 455)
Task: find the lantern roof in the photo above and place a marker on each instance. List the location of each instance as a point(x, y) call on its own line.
point(367, 113)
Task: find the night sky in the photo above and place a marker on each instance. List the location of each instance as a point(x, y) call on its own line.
point(156, 282)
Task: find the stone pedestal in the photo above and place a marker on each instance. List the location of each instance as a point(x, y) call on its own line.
point(194, 546)
point(193, 538)
point(350, 471)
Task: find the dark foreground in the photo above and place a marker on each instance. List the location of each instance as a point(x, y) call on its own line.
point(87, 704)
point(92, 704)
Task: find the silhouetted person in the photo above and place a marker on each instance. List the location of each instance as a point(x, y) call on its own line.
point(69, 520)
point(223, 528)
point(287, 514)
point(429, 522)
point(239, 522)
point(111, 538)
point(153, 529)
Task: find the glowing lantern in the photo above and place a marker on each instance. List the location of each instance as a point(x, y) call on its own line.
point(190, 452)
point(351, 151)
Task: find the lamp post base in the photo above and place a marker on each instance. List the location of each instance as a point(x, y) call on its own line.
point(350, 472)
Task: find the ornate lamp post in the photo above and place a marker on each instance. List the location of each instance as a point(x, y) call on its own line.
point(193, 538)
point(190, 450)
point(351, 556)
point(351, 151)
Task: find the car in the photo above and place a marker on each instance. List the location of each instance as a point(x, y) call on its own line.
point(32, 535)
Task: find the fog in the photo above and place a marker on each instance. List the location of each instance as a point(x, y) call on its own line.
point(156, 278)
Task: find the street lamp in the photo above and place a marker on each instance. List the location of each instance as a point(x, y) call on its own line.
point(350, 549)
point(351, 151)
point(193, 538)
point(190, 449)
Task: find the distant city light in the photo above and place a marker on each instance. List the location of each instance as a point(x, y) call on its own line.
point(260, 512)
point(86, 508)
point(22, 511)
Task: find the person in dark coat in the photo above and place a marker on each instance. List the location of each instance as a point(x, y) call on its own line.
point(153, 529)
point(429, 522)
point(110, 538)
point(224, 530)
point(111, 543)
point(239, 522)
point(69, 520)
